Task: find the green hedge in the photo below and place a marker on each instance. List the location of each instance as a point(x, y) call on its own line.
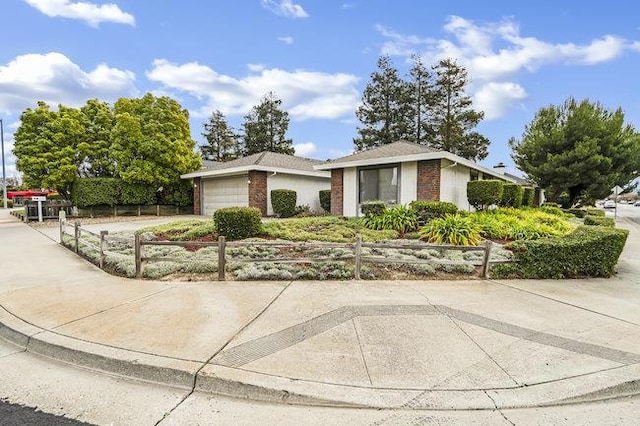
point(428, 210)
point(373, 207)
point(585, 211)
point(283, 202)
point(178, 194)
point(483, 193)
point(88, 192)
point(589, 251)
point(136, 193)
point(238, 223)
point(528, 196)
point(9, 203)
point(512, 195)
point(325, 199)
point(599, 221)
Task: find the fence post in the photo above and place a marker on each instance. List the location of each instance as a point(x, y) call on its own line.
point(61, 230)
point(102, 255)
point(157, 209)
point(357, 259)
point(485, 260)
point(137, 249)
point(76, 235)
point(222, 261)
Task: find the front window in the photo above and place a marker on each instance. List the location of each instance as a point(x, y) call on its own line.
point(380, 183)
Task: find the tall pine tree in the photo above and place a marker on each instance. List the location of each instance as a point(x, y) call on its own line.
point(265, 128)
point(453, 116)
point(385, 110)
point(222, 143)
point(421, 98)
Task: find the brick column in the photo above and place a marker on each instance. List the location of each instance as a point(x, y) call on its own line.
point(337, 192)
point(197, 195)
point(429, 180)
point(258, 190)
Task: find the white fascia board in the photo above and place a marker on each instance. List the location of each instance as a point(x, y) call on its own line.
point(414, 157)
point(246, 169)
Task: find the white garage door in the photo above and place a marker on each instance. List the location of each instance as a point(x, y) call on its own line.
point(224, 192)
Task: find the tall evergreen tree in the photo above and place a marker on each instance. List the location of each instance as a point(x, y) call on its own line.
point(453, 116)
point(265, 128)
point(385, 110)
point(222, 143)
point(421, 98)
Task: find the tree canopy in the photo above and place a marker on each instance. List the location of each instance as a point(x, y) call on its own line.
point(144, 140)
point(578, 148)
point(265, 127)
point(429, 108)
point(222, 143)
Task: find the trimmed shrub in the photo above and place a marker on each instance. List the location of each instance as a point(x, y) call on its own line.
point(427, 210)
point(237, 223)
point(552, 209)
point(599, 221)
point(452, 229)
point(594, 212)
point(589, 251)
point(283, 202)
point(483, 193)
point(9, 203)
point(401, 219)
point(512, 195)
point(137, 193)
point(528, 196)
point(325, 199)
point(178, 194)
point(373, 207)
point(88, 192)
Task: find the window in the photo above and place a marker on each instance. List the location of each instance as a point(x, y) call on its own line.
point(379, 183)
point(475, 175)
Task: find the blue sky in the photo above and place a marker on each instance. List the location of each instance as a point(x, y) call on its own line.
point(316, 56)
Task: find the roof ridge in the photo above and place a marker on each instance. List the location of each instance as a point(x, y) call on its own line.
point(262, 154)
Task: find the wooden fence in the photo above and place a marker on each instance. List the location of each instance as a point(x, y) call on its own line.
point(50, 209)
point(221, 258)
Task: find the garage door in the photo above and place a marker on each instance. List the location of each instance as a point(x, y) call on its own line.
point(224, 192)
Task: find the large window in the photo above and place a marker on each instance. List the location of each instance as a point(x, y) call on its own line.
point(380, 183)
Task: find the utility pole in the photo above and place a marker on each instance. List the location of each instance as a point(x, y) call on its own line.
point(4, 174)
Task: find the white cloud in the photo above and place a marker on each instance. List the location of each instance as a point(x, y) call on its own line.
point(305, 149)
point(305, 94)
point(495, 99)
point(495, 53)
point(286, 8)
point(286, 40)
point(636, 45)
point(54, 78)
point(255, 67)
point(90, 13)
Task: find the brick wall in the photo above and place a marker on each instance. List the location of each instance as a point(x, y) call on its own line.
point(258, 190)
point(429, 180)
point(197, 195)
point(337, 192)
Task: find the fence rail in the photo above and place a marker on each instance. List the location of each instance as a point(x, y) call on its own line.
point(139, 244)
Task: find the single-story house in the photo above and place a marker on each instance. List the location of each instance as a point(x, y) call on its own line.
point(401, 172)
point(248, 181)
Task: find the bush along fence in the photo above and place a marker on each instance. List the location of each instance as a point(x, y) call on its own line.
point(132, 256)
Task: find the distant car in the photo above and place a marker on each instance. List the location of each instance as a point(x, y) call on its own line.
point(609, 204)
point(637, 203)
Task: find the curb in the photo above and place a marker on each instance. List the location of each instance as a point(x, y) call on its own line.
point(192, 376)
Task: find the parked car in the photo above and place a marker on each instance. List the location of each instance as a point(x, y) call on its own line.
point(637, 203)
point(609, 204)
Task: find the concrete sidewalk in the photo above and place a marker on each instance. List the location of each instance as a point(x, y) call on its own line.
point(393, 345)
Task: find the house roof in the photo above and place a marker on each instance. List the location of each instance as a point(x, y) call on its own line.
point(262, 161)
point(401, 152)
point(520, 180)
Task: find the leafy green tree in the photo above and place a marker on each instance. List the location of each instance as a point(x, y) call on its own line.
point(579, 148)
point(151, 141)
point(385, 112)
point(51, 147)
point(98, 120)
point(222, 142)
point(453, 116)
point(265, 127)
point(421, 94)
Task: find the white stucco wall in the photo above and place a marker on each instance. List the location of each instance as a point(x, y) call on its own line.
point(453, 184)
point(408, 182)
point(350, 192)
point(306, 187)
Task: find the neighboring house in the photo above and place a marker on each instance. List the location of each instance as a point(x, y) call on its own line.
point(248, 181)
point(401, 172)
